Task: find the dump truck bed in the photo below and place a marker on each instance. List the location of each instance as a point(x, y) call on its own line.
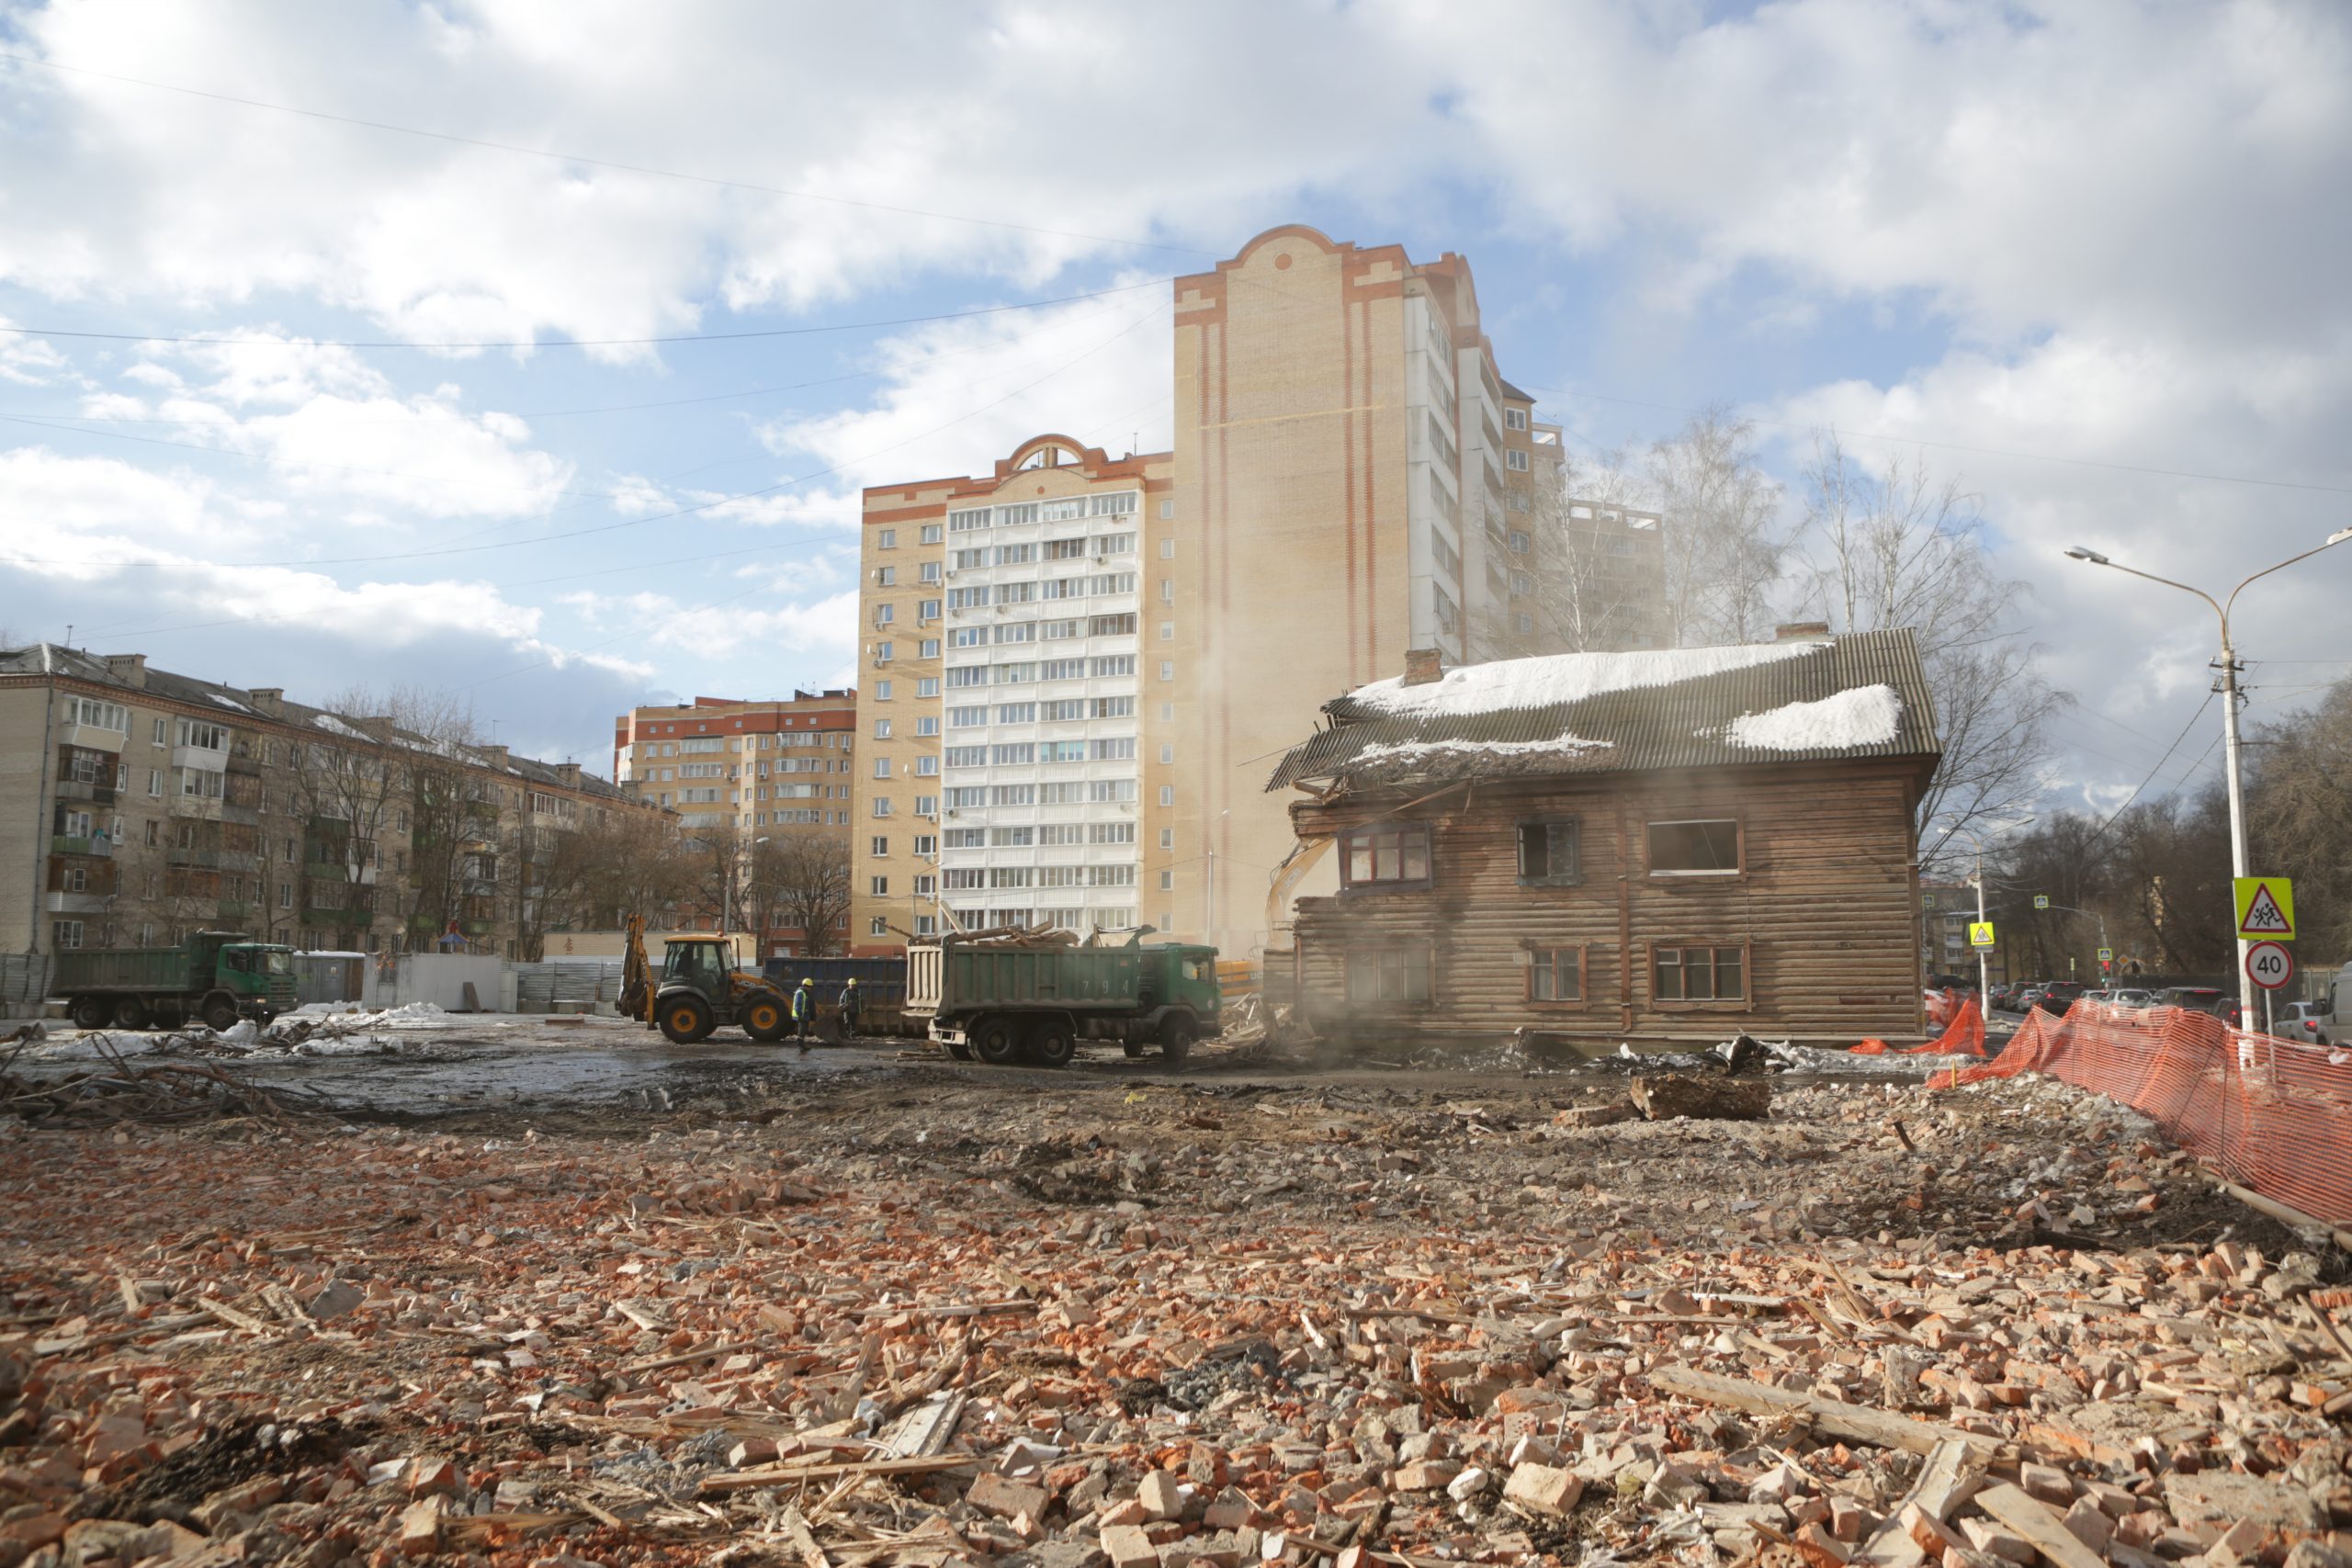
point(959, 979)
point(88, 971)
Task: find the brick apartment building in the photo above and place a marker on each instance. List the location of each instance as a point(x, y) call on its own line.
point(1079, 667)
point(138, 805)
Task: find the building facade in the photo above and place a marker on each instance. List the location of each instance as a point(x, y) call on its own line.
point(1004, 714)
point(1350, 478)
point(138, 805)
point(727, 762)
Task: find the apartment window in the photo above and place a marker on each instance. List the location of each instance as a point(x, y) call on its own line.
point(1168, 838)
point(1699, 974)
point(885, 577)
point(1547, 852)
point(879, 886)
point(1518, 541)
point(881, 767)
point(882, 806)
point(285, 894)
point(884, 614)
point(1168, 631)
point(1556, 974)
point(1707, 848)
point(1166, 794)
point(1514, 419)
point(929, 648)
point(1390, 856)
point(1167, 669)
point(1392, 975)
point(927, 723)
point(929, 572)
point(1168, 713)
point(879, 845)
point(1522, 623)
point(1167, 510)
point(1167, 881)
point(1515, 460)
point(877, 926)
point(884, 654)
point(156, 737)
point(64, 935)
point(932, 534)
point(927, 805)
point(155, 784)
point(926, 844)
point(886, 538)
point(927, 610)
point(1167, 755)
point(881, 730)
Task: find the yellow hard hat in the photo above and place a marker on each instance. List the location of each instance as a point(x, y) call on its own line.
point(806, 981)
point(852, 979)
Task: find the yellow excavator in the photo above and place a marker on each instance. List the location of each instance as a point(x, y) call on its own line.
point(699, 989)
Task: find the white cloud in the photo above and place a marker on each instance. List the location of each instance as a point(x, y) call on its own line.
point(30, 361)
point(827, 629)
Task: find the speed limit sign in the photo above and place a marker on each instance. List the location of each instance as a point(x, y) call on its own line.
point(2268, 965)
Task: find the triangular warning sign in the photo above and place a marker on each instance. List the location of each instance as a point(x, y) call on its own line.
point(2263, 917)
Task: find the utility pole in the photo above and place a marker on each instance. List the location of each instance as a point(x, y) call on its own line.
point(1983, 958)
point(2228, 663)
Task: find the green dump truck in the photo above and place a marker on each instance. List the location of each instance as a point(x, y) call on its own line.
point(218, 976)
point(1010, 1001)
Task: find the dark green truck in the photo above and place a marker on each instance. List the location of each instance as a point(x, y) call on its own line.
point(1012, 1001)
point(218, 976)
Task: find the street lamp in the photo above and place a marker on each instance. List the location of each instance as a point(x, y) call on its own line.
point(2231, 745)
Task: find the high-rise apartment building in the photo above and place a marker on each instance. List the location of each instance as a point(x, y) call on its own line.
point(1081, 668)
point(726, 761)
point(138, 805)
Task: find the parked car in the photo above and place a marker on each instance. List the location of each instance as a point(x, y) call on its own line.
point(2058, 996)
point(2129, 997)
point(2196, 999)
point(2026, 998)
point(2306, 1021)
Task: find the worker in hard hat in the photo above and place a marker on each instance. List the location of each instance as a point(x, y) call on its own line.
point(849, 1003)
point(804, 1009)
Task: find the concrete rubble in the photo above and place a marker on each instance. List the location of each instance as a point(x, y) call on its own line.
point(930, 1320)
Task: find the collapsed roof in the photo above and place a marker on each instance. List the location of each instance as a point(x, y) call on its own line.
point(1860, 694)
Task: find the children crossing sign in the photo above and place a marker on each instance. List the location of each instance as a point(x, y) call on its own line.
point(1980, 933)
point(2266, 908)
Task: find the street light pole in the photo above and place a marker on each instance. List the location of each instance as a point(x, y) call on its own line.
point(2232, 746)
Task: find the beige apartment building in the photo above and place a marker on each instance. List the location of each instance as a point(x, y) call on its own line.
point(727, 762)
point(1352, 479)
point(138, 805)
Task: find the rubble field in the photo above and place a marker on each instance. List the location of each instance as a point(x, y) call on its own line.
point(903, 1318)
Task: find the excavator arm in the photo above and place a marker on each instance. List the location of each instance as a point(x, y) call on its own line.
point(637, 974)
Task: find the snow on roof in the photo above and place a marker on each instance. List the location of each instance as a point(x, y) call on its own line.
point(334, 725)
point(228, 702)
point(1413, 752)
point(1518, 683)
point(1865, 715)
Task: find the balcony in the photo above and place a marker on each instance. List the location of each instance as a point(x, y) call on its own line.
point(474, 928)
point(189, 855)
point(247, 816)
point(79, 844)
point(235, 909)
point(240, 860)
point(76, 789)
point(75, 903)
point(95, 740)
point(198, 807)
point(199, 757)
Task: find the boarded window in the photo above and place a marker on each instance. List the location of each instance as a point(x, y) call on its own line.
point(1547, 850)
point(1391, 974)
point(1694, 849)
point(1699, 974)
point(1556, 974)
point(1393, 855)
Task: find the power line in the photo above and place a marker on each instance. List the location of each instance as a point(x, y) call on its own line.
point(1960, 446)
point(616, 164)
point(2117, 815)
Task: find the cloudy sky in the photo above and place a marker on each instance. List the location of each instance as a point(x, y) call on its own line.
point(541, 348)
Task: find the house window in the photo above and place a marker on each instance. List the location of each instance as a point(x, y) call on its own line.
point(881, 730)
point(1518, 541)
point(1710, 848)
point(1515, 460)
point(1556, 974)
point(1514, 419)
point(886, 538)
point(1391, 976)
point(877, 926)
point(1698, 974)
point(1547, 852)
point(879, 886)
point(885, 577)
point(64, 935)
point(930, 534)
point(1394, 855)
point(880, 846)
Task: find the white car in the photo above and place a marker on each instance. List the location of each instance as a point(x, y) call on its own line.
point(2304, 1021)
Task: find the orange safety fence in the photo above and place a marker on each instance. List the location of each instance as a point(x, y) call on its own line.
point(1963, 1036)
point(2272, 1115)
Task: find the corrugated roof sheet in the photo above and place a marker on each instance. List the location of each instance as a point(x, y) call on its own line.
point(1678, 724)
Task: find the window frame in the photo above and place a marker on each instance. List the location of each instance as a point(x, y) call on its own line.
point(1376, 959)
point(1574, 876)
point(1738, 873)
point(1530, 947)
point(1402, 830)
point(1744, 1002)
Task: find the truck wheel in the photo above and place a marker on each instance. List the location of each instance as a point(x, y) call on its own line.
point(1131, 1045)
point(1176, 1038)
point(998, 1041)
point(91, 1012)
point(220, 1014)
point(130, 1013)
point(1052, 1045)
point(685, 1020)
point(764, 1020)
point(961, 1051)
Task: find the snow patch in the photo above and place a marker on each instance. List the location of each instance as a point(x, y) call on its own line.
point(1862, 716)
point(228, 702)
point(334, 725)
point(1548, 682)
point(1410, 752)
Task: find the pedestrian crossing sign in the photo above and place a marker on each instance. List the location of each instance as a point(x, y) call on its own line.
point(2266, 908)
point(1980, 933)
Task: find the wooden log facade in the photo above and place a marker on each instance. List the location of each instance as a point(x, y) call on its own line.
point(1819, 911)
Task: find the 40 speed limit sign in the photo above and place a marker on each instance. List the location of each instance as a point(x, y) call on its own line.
point(2268, 965)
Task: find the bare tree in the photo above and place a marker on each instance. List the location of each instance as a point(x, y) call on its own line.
point(635, 866)
point(2300, 812)
point(1586, 596)
point(348, 783)
point(803, 878)
point(1896, 547)
point(1726, 541)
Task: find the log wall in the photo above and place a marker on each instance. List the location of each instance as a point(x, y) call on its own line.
point(1824, 905)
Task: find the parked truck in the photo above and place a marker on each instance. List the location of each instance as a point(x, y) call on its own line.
point(1017, 1001)
point(217, 976)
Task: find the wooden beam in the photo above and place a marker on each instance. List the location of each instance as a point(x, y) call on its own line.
point(785, 1474)
point(1854, 1422)
point(2039, 1524)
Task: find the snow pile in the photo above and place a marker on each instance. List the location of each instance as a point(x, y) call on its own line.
point(1862, 716)
point(96, 1044)
point(1511, 683)
point(345, 1018)
point(1410, 753)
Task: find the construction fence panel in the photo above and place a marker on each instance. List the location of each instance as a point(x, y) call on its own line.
point(24, 983)
point(572, 985)
point(2272, 1115)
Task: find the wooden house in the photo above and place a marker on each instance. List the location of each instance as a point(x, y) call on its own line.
point(1664, 846)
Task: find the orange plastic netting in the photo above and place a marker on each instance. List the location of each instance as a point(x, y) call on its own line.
point(2270, 1114)
point(1963, 1036)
